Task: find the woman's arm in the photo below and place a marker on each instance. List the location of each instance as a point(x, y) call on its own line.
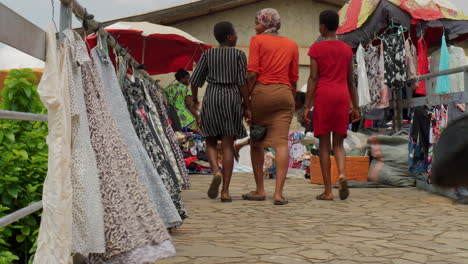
point(195, 94)
point(191, 107)
point(355, 115)
point(311, 88)
point(251, 80)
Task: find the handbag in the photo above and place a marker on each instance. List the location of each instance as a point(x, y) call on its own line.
point(257, 133)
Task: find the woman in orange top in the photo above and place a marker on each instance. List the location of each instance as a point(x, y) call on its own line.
point(273, 71)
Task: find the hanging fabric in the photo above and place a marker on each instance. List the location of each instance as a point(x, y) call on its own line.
point(423, 66)
point(163, 114)
point(457, 59)
point(372, 58)
point(439, 120)
point(384, 92)
point(55, 234)
point(395, 60)
point(88, 211)
point(443, 82)
point(134, 97)
point(363, 82)
point(411, 59)
point(146, 171)
point(418, 145)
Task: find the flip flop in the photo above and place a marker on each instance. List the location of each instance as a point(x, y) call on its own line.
point(284, 202)
point(251, 197)
point(321, 197)
point(229, 200)
point(213, 191)
point(344, 189)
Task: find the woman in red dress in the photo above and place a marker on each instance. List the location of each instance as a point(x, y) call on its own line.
point(331, 88)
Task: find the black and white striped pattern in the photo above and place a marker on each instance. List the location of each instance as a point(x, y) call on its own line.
point(225, 71)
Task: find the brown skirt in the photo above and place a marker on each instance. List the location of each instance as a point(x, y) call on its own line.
point(273, 108)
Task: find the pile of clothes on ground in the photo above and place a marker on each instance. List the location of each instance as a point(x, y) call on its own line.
point(194, 150)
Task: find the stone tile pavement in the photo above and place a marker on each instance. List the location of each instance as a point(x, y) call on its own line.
point(394, 226)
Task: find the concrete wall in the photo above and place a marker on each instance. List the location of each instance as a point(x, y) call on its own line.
point(299, 23)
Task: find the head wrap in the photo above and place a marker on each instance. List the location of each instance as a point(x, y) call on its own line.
point(269, 18)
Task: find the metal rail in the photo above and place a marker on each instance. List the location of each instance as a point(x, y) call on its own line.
point(13, 217)
point(11, 115)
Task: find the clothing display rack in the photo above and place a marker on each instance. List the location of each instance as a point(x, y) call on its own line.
point(32, 41)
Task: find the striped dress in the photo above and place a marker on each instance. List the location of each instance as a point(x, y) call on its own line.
point(225, 70)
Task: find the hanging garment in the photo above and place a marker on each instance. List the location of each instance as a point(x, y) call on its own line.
point(384, 94)
point(423, 66)
point(160, 108)
point(373, 75)
point(411, 59)
point(443, 82)
point(457, 59)
point(88, 211)
point(55, 234)
point(147, 173)
point(134, 231)
point(363, 83)
point(418, 144)
point(439, 120)
point(395, 60)
point(134, 96)
point(155, 122)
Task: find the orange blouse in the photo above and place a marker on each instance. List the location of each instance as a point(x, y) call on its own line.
point(275, 59)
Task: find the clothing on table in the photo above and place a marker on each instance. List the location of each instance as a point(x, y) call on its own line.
point(443, 82)
point(225, 71)
point(332, 98)
point(439, 120)
point(54, 243)
point(134, 231)
point(88, 211)
point(273, 108)
point(423, 66)
point(384, 92)
point(419, 144)
point(457, 59)
point(395, 60)
point(135, 101)
point(275, 59)
point(372, 58)
point(363, 82)
point(411, 59)
point(176, 95)
point(156, 97)
point(148, 174)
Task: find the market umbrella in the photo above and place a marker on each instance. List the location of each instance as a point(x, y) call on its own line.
point(360, 20)
point(161, 49)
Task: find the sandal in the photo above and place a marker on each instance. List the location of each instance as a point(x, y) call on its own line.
point(251, 197)
point(226, 200)
point(321, 197)
point(284, 202)
point(213, 191)
point(344, 189)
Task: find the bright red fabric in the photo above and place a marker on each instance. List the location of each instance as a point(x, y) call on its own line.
point(275, 59)
point(423, 66)
point(163, 53)
point(332, 99)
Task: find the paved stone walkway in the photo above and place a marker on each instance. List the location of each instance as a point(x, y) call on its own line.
point(397, 226)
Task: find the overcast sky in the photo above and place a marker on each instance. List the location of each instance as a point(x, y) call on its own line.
point(40, 13)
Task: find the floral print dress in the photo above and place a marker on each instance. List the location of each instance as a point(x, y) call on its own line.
point(176, 95)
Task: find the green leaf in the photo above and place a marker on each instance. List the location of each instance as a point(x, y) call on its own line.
point(26, 230)
point(20, 238)
point(13, 191)
point(6, 199)
point(1, 136)
point(27, 91)
point(10, 136)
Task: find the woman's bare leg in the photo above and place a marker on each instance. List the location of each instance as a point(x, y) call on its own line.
point(228, 164)
point(258, 155)
point(282, 165)
point(212, 153)
point(340, 154)
point(325, 164)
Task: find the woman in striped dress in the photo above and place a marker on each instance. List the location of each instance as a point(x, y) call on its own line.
point(225, 70)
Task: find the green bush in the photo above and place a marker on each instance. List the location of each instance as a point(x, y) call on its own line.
point(23, 165)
